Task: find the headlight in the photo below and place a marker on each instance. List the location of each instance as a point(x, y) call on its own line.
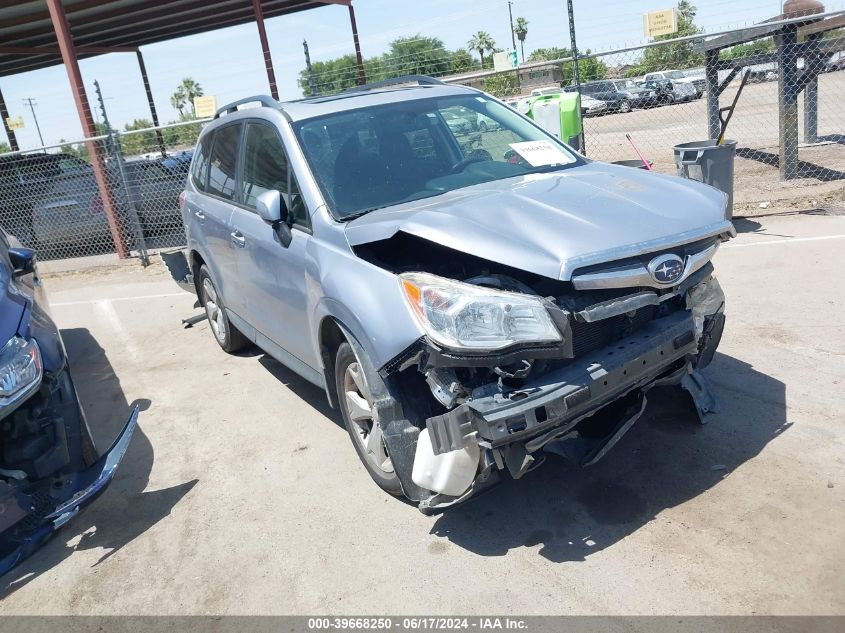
point(464, 316)
point(20, 369)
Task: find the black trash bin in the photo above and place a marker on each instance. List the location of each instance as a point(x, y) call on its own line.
point(707, 162)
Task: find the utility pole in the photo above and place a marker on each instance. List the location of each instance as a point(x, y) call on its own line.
point(510, 14)
point(575, 75)
point(311, 86)
point(31, 103)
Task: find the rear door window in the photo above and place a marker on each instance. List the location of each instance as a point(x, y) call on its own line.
point(222, 172)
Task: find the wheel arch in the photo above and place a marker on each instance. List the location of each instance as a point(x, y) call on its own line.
point(330, 337)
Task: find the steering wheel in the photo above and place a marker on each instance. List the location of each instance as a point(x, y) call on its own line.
point(476, 156)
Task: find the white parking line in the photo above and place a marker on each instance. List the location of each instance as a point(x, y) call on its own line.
point(109, 314)
point(138, 298)
point(787, 240)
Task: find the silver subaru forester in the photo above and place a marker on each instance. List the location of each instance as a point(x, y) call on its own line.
point(470, 299)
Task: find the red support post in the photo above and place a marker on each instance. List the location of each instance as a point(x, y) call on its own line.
point(4, 114)
point(265, 48)
point(362, 76)
point(62, 30)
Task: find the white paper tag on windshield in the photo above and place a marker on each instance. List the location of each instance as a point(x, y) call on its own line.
point(541, 153)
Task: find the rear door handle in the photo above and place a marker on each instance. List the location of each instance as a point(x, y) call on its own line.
point(238, 239)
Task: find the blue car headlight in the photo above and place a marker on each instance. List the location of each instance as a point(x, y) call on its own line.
point(20, 371)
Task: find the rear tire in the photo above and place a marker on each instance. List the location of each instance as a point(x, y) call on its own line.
point(360, 418)
point(227, 335)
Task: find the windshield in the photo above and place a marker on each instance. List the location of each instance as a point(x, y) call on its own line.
point(626, 84)
point(378, 156)
point(675, 74)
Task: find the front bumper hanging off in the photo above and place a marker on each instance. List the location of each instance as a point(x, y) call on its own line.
point(545, 413)
point(84, 487)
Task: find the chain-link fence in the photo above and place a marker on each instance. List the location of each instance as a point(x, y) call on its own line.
point(658, 95)
point(114, 193)
point(789, 124)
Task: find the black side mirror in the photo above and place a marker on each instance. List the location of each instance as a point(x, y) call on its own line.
point(23, 260)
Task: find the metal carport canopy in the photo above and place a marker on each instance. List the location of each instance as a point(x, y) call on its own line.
point(97, 25)
point(36, 34)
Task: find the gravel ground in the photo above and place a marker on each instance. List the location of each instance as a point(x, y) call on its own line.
point(755, 127)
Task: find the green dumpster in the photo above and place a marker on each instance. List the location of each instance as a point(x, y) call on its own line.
point(559, 114)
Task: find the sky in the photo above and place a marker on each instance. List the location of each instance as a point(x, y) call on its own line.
point(228, 62)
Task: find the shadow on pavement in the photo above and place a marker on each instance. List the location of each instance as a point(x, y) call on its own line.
point(805, 169)
point(125, 510)
point(313, 395)
point(666, 459)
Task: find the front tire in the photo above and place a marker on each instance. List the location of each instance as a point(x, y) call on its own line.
point(227, 335)
point(361, 418)
point(625, 106)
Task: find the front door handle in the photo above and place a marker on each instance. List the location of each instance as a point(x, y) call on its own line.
point(199, 215)
point(238, 239)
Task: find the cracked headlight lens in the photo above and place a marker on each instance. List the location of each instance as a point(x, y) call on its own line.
point(20, 368)
point(464, 316)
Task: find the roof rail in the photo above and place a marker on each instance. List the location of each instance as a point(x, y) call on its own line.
point(420, 80)
point(264, 100)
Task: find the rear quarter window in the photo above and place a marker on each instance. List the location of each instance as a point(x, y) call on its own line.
point(199, 166)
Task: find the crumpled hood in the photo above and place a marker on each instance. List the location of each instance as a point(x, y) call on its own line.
point(551, 223)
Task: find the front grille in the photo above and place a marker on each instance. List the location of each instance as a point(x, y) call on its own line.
point(588, 337)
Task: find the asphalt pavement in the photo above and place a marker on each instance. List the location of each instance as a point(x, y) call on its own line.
point(241, 493)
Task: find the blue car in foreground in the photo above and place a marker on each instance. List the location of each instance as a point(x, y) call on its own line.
point(49, 468)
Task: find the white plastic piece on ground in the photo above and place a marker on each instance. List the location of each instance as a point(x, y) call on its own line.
point(449, 473)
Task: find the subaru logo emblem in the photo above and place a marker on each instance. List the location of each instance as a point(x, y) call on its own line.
point(666, 269)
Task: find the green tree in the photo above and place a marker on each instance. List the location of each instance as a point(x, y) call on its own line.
point(139, 142)
point(548, 54)
point(416, 55)
point(461, 61)
point(521, 32)
point(178, 99)
point(334, 75)
point(481, 43)
point(184, 95)
point(766, 45)
point(501, 84)
point(589, 69)
point(5, 147)
point(677, 55)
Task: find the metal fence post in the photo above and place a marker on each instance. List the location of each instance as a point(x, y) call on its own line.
point(788, 101)
point(131, 210)
point(711, 74)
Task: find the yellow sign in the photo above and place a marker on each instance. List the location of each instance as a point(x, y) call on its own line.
point(15, 124)
point(663, 22)
point(205, 106)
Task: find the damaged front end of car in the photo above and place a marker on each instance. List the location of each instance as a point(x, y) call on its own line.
point(515, 365)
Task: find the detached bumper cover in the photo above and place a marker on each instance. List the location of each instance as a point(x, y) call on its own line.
point(41, 522)
point(549, 406)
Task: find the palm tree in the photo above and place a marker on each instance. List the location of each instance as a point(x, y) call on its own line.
point(178, 99)
point(185, 93)
point(521, 31)
point(481, 42)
